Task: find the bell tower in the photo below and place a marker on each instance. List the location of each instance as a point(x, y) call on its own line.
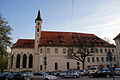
point(38, 22)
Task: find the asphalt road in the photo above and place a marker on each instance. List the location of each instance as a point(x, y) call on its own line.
point(87, 78)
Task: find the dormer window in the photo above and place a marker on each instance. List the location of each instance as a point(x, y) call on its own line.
point(49, 42)
point(60, 36)
point(62, 42)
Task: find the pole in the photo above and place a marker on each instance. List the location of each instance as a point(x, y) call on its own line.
point(111, 70)
point(109, 55)
point(45, 59)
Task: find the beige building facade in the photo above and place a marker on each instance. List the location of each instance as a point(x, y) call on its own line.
point(117, 42)
point(30, 54)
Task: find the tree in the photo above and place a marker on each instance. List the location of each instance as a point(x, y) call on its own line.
point(82, 48)
point(107, 40)
point(5, 31)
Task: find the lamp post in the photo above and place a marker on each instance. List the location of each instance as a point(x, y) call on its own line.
point(109, 55)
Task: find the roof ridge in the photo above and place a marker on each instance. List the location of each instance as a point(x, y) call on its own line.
point(67, 32)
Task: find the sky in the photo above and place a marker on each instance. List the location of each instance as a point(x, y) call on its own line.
point(99, 17)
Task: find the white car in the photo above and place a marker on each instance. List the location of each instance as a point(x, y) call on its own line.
point(93, 70)
point(43, 76)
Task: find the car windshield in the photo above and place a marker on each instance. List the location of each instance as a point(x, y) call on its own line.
point(92, 68)
point(81, 70)
point(45, 74)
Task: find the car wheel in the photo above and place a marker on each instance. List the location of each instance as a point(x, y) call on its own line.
point(62, 77)
point(75, 76)
point(108, 76)
point(32, 79)
point(91, 76)
point(46, 79)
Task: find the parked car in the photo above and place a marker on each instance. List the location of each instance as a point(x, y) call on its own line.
point(92, 69)
point(56, 73)
point(72, 73)
point(62, 73)
point(82, 72)
point(117, 71)
point(18, 76)
point(43, 76)
point(7, 76)
point(2, 77)
point(101, 73)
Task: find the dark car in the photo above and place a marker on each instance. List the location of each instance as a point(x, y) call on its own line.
point(2, 77)
point(18, 76)
point(6, 76)
point(101, 73)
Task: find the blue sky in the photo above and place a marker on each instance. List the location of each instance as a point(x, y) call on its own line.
point(99, 17)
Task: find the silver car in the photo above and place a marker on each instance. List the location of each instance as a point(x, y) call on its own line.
point(43, 76)
point(117, 71)
point(72, 73)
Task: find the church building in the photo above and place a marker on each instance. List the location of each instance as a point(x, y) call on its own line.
point(48, 51)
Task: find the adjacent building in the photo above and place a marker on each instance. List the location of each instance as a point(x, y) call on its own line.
point(117, 41)
point(48, 51)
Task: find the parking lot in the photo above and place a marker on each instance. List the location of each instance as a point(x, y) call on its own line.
point(87, 78)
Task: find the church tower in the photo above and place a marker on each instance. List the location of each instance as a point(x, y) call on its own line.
point(38, 22)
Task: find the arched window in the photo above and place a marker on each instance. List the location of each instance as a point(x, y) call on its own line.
point(40, 67)
point(30, 61)
point(12, 60)
point(18, 61)
point(56, 66)
point(78, 63)
point(24, 61)
point(68, 65)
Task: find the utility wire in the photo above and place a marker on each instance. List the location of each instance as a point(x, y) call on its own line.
point(72, 12)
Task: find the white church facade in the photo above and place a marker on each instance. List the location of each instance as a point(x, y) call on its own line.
point(48, 51)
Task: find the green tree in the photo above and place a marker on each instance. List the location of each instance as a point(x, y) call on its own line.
point(5, 31)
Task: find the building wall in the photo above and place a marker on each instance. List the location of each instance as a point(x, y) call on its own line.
point(59, 58)
point(103, 55)
point(117, 41)
point(20, 51)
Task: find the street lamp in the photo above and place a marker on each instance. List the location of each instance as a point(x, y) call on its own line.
point(109, 55)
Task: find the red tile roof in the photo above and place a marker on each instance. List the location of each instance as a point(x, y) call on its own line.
point(50, 38)
point(118, 36)
point(24, 43)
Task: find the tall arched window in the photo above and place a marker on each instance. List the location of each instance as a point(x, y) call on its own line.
point(24, 61)
point(12, 60)
point(56, 66)
point(30, 61)
point(68, 65)
point(18, 61)
point(40, 67)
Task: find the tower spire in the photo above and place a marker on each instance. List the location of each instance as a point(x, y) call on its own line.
point(38, 16)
